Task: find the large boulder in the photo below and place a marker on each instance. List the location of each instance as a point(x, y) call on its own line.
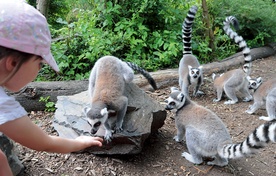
point(7, 146)
point(144, 117)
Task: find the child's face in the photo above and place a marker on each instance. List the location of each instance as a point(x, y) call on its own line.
point(26, 73)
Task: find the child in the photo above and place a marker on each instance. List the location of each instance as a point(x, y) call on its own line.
point(24, 46)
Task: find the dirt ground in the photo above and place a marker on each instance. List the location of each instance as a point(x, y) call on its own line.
point(161, 154)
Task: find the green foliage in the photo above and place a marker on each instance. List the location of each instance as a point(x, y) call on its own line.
point(134, 31)
point(56, 9)
point(49, 106)
point(148, 32)
point(257, 18)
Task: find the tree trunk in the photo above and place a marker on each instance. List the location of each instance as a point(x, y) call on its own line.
point(43, 6)
point(206, 22)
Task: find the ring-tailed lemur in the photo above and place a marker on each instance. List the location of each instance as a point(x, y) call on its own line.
point(107, 84)
point(236, 80)
point(265, 94)
point(207, 136)
point(190, 71)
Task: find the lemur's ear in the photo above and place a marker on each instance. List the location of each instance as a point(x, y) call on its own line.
point(180, 97)
point(213, 76)
point(259, 79)
point(173, 89)
point(104, 112)
point(86, 109)
point(190, 67)
point(200, 67)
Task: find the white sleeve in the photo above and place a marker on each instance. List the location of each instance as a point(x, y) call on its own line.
point(10, 109)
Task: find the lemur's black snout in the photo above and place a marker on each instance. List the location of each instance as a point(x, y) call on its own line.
point(168, 108)
point(93, 131)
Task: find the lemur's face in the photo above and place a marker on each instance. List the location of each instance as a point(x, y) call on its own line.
point(254, 83)
point(176, 99)
point(194, 72)
point(95, 118)
point(171, 103)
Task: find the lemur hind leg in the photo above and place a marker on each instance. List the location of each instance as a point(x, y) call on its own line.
point(128, 73)
point(219, 95)
point(121, 103)
point(253, 108)
point(231, 94)
point(192, 143)
point(245, 92)
point(270, 108)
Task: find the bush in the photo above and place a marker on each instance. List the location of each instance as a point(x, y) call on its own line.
point(148, 33)
point(135, 37)
point(257, 18)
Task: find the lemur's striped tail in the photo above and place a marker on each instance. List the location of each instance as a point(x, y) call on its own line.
point(262, 135)
point(239, 40)
point(187, 30)
point(144, 73)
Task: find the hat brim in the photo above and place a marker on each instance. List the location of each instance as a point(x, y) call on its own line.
point(49, 59)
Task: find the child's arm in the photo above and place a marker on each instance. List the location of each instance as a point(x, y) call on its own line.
point(25, 132)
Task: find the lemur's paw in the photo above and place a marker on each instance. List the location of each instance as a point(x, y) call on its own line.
point(246, 99)
point(216, 100)
point(249, 111)
point(198, 93)
point(118, 129)
point(230, 102)
point(108, 136)
point(266, 118)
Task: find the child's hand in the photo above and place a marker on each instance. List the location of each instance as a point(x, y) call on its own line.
point(90, 141)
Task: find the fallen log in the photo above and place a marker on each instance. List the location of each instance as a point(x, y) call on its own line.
point(165, 78)
point(30, 95)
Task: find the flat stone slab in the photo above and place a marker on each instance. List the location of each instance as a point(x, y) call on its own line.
point(144, 116)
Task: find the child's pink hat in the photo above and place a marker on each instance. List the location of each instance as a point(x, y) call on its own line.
point(25, 29)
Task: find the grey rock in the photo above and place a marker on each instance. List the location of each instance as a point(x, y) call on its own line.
point(144, 117)
point(7, 146)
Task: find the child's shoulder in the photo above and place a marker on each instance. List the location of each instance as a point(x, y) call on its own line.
point(10, 109)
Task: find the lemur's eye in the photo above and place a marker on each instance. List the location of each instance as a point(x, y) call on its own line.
point(197, 72)
point(254, 84)
point(193, 72)
point(172, 103)
point(97, 124)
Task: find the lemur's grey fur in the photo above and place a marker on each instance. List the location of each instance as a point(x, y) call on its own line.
point(190, 71)
point(207, 136)
point(236, 80)
point(107, 84)
point(265, 94)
